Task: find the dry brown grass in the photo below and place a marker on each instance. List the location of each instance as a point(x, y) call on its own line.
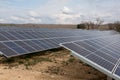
point(48, 65)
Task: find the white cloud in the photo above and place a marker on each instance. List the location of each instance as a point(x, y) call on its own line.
point(34, 20)
point(2, 20)
point(66, 16)
point(102, 15)
point(17, 18)
point(47, 11)
point(33, 14)
point(25, 20)
point(66, 10)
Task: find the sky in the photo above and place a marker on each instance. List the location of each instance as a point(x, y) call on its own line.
point(58, 11)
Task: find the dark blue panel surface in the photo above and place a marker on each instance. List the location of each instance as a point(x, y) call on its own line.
point(81, 51)
point(41, 44)
point(6, 51)
point(101, 62)
point(9, 36)
point(34, 45)
point(25, 46)
point(106, 56)
point(117, 72)
point(2, 38)
point(15, 47)
point(16, 35)
point(93, 44)
point(87, 46)
point(110, 52)
point(45, 41)
point(25, 35)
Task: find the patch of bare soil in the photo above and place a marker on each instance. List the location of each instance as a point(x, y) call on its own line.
point(48, 65)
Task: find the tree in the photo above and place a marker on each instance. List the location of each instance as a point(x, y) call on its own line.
point(90, 25)
point(111, 26)
point(81, 26)
point(99, 22)
point(117, 26)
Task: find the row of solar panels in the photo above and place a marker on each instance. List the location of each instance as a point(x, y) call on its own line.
point(98, 48)
point(37, 29)
point(21, 47)
point(101, 53)
point(14, 43)
point(45, 29)
point(23, 35)
point(30, 28)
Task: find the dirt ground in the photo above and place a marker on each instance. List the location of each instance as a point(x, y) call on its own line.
point(55, 64)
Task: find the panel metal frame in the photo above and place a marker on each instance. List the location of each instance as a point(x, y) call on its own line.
point(84, 59)
point(96, 66)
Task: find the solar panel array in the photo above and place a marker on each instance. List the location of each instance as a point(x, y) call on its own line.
point(19, 41)
point(102, 53)
point(100, 49)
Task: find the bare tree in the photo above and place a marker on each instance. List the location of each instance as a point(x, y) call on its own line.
point(117, 26)
point(81, 26)
point(89, 25)
point(111, 26)
point(99, 22)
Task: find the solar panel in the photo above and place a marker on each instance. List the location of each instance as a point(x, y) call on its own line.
point(25, 46)
point(117, 71)
point(7, 35)
point(15, 47)
point(34, 45)
point(28, 40)
point(99, 49)
point(7, 51)
point(101, 53)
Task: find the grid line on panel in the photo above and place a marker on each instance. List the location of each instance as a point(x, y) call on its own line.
point(9, 36)
point(100, 61)
point(25, 45)
point(6, 48)
point(34, 45)
point(93, 52)
point(107, 51)
point(3, 37)
point(116, 66)
point(15, 47)
point(19, 36)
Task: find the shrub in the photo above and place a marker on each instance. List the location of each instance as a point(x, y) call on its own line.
point(81, 26)
point(117, 26)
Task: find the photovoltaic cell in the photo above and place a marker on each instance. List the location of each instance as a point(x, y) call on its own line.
point(103, 55)
point(49, 44)
point(42, 45)
point(93, 44)
point(87, 46)
point(98, 47)
point(106, 56)
point(17, 35)
point(2, 38)
point(15, 47)
point(99, 61)
point(34, 45)
point(7, 51)
point(25, 46)
point(9, 36)
point(117, 72)
point(25, 35)
point(77, 49)
point(29, 40)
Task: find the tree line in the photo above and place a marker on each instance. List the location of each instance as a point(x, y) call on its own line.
point(99, 25)
point(90, 25)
